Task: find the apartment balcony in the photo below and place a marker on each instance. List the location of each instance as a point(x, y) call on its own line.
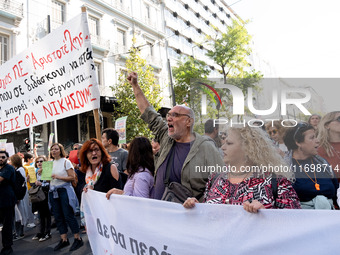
point(55, 24)
point(172, 24)
point(187, 50)
point(173, 42)
point(120, 51)
point(100, 43)
point(12, 9)
point(150, 22)
point(120, 5)
point(156, 62)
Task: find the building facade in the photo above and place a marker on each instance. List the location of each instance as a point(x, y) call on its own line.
point(164, 31)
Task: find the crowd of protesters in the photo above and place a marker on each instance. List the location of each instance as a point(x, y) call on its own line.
point(309, 150)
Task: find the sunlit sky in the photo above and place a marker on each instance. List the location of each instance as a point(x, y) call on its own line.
point(298, 38)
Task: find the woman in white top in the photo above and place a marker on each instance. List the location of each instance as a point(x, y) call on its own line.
point(62, 197)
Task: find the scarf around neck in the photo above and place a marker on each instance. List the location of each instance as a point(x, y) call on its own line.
point(92, 177)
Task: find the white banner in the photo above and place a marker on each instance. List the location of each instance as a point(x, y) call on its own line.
point(120, 126)
point(53, 79)
point(131, 225)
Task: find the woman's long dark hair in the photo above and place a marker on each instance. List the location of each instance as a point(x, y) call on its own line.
point(140, 155)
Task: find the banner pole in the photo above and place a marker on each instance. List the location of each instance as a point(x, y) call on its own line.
point(97, 124)
point(95, 111)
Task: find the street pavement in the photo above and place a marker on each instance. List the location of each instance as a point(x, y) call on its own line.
point(27, 246)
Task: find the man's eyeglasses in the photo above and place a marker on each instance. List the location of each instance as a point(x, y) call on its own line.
point(176, 115)
point(40, 161)
point(3, 157)
point(272, 132)
point(299, 127)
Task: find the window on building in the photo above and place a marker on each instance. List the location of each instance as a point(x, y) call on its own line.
point(151, 49)
point(58, 13)
point(121, 38)
point(4, 49)
point(147, 11)
point(93, 25)
point(97, 67)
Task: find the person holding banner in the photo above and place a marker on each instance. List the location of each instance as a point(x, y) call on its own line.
point(101, 175)
point(182, 149)
point(250, 179)
point(141, 168)
point(63, 198)
point(315, 183)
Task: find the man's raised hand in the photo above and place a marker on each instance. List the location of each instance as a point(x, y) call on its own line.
point(132, 78)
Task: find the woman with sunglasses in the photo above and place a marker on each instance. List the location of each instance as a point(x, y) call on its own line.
point(276, 132)
point(315, 183)
point(42, 207)
point(329, 136)
point(246, 181)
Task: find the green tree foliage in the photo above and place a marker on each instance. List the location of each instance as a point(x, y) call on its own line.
point(185, 74)
point(127, 105)
point(188, 70)
point(230, 50)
